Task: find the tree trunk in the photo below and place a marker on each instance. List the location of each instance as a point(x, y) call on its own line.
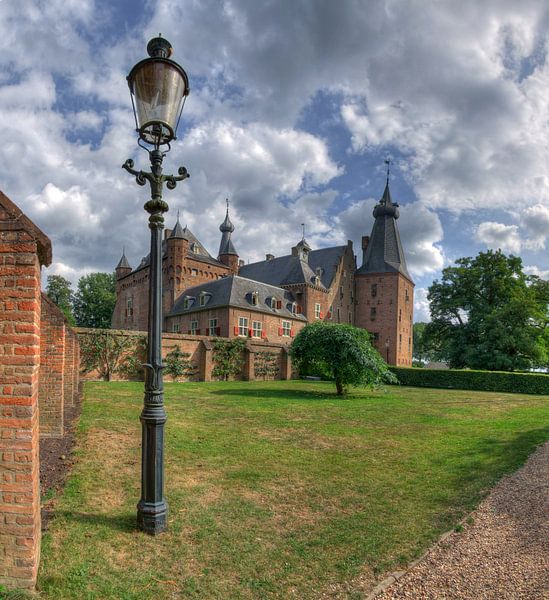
point(339, 387)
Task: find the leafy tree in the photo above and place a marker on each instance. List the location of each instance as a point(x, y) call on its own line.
point(178, 365)
point(228, 357)
point(343, 352)
point(131, 364)
point(426, 346)
point(104, 351)
point(488, 314)
point(266, 364)
point(94, 300)
point(59, 290)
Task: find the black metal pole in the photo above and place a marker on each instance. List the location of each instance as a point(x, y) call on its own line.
point(152, 509)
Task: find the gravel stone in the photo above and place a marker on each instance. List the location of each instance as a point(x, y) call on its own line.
point(503, 554)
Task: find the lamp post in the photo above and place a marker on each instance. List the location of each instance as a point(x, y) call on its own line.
point(158, 88)
point(387, 349)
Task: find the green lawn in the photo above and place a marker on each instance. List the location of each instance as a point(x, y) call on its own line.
point(277, 489)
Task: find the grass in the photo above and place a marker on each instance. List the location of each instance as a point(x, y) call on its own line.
point(277, 489)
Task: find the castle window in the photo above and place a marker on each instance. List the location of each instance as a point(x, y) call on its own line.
point(338, 320)
point(374, 290)
point(194, 272)
point(399, 315)
point(317, 311)
point(243, 326)
point(272, 302)
point(373, 312)
point(293, 308)
point(409, 343)
point(203, 298)
point(129, 307)
point(176, 327)
point(286, 328)
point(350, 317)
point(376, 337)
point(400, 341)
point(212, 329)
point(194, 328)
point(257, 328)
point(255, 298)
point(407, 298)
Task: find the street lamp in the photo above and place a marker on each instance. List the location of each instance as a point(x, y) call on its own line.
point(158, 88)
point(387, 349)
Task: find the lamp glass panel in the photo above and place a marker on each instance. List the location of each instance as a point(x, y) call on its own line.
point(158, 89)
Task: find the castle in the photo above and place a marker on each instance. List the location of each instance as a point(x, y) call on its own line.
point(273, 299)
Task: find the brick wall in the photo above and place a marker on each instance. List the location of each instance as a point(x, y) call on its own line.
point(23, 249)
point(200, 350)
point(52, 369)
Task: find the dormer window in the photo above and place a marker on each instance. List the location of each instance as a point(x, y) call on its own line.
point(254, 299)
point(272, 302)
point(187, 302)
point(294, 308)
point(193, 248)
point(203, 298)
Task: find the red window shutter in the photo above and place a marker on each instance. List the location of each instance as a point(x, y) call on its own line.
point(321, 315)
point(207, 331)
point(292, 332)
point(198, 332)
point(250, 332)
point(299, 309)
point(329, 315)
point(236, 329)
point(279, 303)
point(218, 330)
point(280, 331)
point(263, 335)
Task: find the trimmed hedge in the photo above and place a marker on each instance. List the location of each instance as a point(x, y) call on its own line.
point(487, 381)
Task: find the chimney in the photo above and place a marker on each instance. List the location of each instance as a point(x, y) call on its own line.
point(365, 242)
point(241, 263)
point(269, 256)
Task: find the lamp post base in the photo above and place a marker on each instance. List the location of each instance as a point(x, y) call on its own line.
point(152, 518)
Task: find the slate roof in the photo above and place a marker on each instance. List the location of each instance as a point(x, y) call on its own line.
point(196, 249)
point(237, 292)
point(384, 253)
point(123, 263)
point(288, 270)
point(226, 246)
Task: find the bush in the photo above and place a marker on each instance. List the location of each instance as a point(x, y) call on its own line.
point(486, 381)
point(177, 364)
point(228, 358)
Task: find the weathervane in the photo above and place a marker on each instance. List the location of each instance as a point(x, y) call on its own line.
point(303, 230)
point(388, 163)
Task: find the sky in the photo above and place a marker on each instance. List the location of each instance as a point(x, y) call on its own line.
point(294, 107)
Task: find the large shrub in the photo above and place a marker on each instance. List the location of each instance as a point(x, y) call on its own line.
point(339, 352)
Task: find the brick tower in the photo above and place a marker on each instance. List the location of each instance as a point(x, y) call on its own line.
point(227, 252)
point(384, 289)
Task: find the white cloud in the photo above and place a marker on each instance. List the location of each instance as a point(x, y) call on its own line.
point(422, 313)
point(499, 236)
point(535, 221)
point(533, 270)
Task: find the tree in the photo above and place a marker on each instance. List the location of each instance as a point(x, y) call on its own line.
point(266, 364)
point(228, 357)
point(426, 346)
point(341, 351)
point(488, 314)
point(59, 290)
point(94, 300)
point(177, 364)
point(104, 351)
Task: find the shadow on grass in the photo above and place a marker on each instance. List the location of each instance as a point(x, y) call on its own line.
point(286, 394)
point(125, 523)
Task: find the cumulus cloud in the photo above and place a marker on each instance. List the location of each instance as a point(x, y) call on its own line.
point(422, 313)
point(499, 236)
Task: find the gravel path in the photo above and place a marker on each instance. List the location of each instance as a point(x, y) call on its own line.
point(502, 555)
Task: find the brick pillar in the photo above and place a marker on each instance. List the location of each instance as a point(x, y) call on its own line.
point(76, 366)
point(206, 366)
point(23, 248)
point(69, 366)
point(285, 364)
point(248, 372)
point(52, 369)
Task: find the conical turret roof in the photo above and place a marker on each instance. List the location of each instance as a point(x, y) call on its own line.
point(178, 231)
point(226, 246)
point(123, 262)
point(384, 253)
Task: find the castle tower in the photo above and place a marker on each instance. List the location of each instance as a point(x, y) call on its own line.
point(177, 248)
point(384, 290)
point(227, 252)
point(123, 267)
